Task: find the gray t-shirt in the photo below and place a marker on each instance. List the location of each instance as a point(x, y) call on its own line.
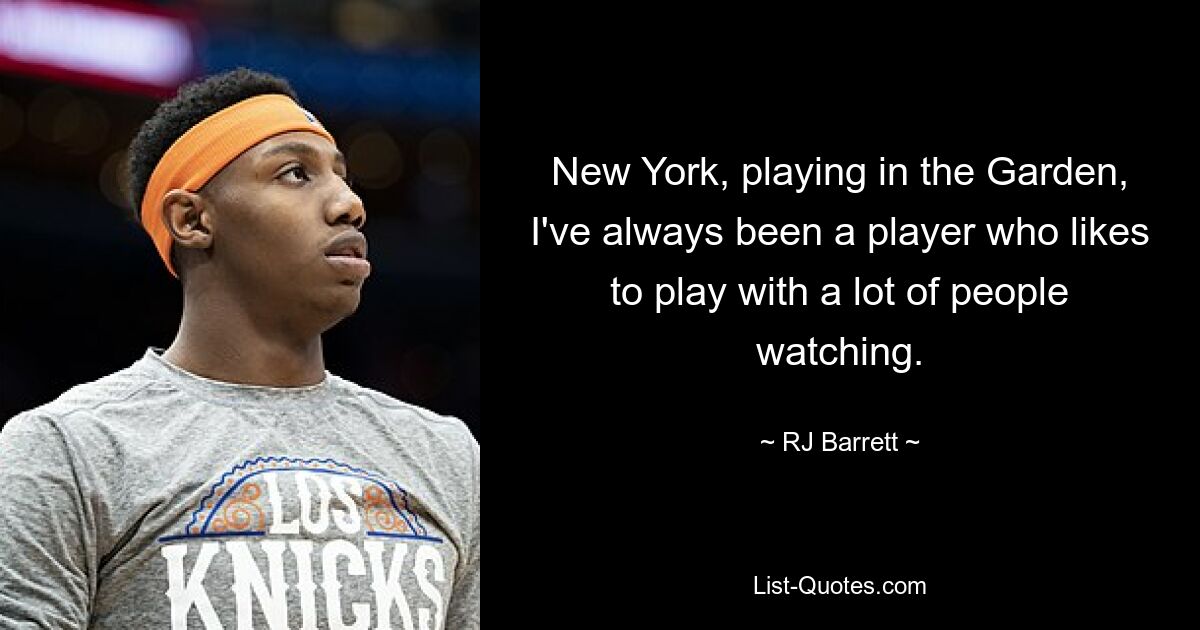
point(154, 498)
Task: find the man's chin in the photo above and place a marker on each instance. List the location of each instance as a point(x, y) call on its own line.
point(349, 304)
point(339, 304)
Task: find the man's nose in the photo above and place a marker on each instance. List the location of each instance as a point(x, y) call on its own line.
point(347, 208)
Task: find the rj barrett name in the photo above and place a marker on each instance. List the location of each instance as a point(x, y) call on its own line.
point(830, 441)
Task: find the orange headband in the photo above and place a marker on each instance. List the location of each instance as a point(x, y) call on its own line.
point(202, 151)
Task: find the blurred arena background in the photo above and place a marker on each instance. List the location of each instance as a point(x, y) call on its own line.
point(395, 81)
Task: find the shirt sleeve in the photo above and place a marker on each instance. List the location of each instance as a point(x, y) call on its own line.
point(47, 567)
point(464, 601)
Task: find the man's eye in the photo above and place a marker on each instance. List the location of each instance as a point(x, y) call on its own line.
point(298, 172)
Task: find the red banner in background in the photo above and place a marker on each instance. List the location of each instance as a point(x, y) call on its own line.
point(116, 46)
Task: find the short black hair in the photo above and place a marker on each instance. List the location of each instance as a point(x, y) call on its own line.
point(194, 102)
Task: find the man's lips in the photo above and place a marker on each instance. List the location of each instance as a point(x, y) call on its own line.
point(348, 252)
point(350, 244)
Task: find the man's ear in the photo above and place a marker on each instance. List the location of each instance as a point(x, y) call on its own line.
point(189, 218)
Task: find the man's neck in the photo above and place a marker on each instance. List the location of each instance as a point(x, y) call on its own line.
point(226, 344)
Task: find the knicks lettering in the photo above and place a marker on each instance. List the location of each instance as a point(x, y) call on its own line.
point(340, 562)
point(305, 548)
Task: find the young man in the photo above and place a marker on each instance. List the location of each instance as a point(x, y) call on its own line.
point(230, 481)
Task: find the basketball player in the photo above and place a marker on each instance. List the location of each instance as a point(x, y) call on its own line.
point(230, 481)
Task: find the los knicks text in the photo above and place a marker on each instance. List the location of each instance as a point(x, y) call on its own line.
point(317, 563)
point(832, 442)
point(1001, 171)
